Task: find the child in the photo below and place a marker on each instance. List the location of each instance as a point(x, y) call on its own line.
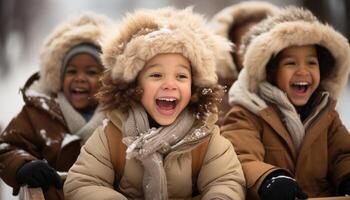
point(283, 124)
point(60, 110)
point(232, 23)
point(160, 92)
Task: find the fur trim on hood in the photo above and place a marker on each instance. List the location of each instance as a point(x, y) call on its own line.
point(230, 16)
point(146, 33)
point(293, 27)
point(85, 28)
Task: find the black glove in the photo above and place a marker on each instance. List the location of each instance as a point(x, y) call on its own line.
point(280, 187)
point(38, 173)
point(344, 188)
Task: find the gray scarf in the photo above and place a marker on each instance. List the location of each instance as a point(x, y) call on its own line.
point(291, 117)
point(150, 144)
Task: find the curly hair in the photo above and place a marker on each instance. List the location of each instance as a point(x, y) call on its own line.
point(119, 94)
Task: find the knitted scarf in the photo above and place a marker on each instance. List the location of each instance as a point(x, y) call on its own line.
point(292, 120)
point(148, 145)
point(76, 122)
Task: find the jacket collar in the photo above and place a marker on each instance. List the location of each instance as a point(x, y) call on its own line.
point(33, 96)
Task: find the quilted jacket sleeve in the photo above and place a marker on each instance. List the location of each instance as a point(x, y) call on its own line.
point(243, 130)
point(221, 175)
point(92, 175)
point(17, 146)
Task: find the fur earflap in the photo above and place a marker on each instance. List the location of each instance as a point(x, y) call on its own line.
point(87, 27)
point(146, 33)
point(293, 27)
point(229, 17)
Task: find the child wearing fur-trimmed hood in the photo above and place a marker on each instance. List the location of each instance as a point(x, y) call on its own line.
point(161, 93)
point(60, 111)
point(283, 123)
point(232, 23)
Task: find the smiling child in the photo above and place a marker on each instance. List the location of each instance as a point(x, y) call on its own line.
point(161, 96)
point(283, 124)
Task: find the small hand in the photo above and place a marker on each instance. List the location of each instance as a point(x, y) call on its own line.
point(38, 173)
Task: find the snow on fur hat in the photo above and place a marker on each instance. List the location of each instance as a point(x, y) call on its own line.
point(146, 33)
point(229, 17)
point(293, 27)
point(87, 28)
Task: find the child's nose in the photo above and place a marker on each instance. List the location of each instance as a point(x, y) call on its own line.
point(169, 84)
point(302, 70)
point(80, 77)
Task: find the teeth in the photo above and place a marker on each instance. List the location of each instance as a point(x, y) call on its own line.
point(79, 90)
point(301, 83)
point(166, 99)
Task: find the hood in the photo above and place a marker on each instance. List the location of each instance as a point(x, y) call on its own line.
point(293, 27)
point(146, 33)
point(85, 28)
point(230, 16)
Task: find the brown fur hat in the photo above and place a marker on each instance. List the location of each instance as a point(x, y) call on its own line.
point(87, 27)
point(293, 27)
point(146, 33)
point(229, 17)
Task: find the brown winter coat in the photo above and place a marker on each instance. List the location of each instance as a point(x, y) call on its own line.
point(92, 176)
point(256, 128)
point(263, 144)
point(37, 132)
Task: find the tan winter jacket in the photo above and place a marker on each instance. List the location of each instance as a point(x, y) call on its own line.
point(92, 176)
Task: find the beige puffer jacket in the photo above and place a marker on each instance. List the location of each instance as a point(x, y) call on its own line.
point(92, 176)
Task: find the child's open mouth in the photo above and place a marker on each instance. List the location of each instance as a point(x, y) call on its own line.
point(80, 92)
point(300, 87)
point(166, 105)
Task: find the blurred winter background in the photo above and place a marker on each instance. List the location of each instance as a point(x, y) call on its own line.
point(25, 24)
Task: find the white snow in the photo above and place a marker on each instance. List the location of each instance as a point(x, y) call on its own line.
point(68, 138)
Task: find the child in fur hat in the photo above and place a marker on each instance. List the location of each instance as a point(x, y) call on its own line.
point(283, 124)
point(232, 23)
point(60, 110)
point(160, 92)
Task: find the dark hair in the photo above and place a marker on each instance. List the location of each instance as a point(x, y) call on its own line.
point(119, 94)
point(325, 59)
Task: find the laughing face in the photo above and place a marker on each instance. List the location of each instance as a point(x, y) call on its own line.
point(298, 73)
point(166, 84)
point(81, 81)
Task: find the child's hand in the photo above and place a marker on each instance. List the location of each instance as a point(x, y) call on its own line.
point(344, 188)
point(281, 187)
point(38, 173)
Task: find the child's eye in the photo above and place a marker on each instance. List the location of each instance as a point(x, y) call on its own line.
point(182, 77)
point(71, 70)
point(93, 72)
point(289, 63)
point(313, 62)
point(155, 75)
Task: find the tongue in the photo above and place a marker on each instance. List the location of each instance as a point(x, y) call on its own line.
point(166, 105)
point(300, 89)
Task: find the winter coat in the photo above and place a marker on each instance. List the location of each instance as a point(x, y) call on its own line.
point(39, 131)
point(46, 127)
point(93, 177)
point(263, 145)
point(257, 128)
